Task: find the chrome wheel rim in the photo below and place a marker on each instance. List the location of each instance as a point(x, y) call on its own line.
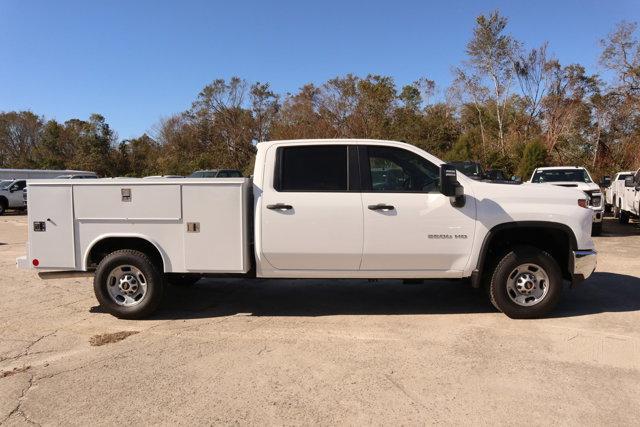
point(528, 284)
point(126, 285)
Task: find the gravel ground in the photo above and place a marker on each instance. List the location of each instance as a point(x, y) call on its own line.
point(320, 351)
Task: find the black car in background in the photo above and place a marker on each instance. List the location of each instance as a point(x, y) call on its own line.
point(216, 173)
point(474, 171)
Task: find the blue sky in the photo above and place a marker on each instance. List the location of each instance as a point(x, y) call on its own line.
point(138, 61)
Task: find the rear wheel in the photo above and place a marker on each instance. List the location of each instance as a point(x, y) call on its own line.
point(527, 283)
point(3, 206)
point(128, 284)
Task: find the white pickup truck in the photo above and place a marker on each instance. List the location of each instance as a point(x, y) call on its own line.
point(574, 177)
point(630, 200)
point(11, 195)
point(614, 191)
point(315, 209)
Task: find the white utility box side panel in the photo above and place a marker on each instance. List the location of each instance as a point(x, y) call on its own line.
point(51, 231)
point(125, 201)
point(215, 216)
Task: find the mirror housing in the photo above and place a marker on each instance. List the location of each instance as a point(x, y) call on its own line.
point(449, 185)
point(628, 181)
point(448, 180)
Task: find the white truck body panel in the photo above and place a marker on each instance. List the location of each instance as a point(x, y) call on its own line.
point(77, 214)
point(631, 196)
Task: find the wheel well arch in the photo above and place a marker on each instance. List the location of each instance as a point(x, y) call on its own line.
point(104, 245)
point(555, 238)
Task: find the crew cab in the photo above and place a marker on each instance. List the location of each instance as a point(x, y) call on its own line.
point(356, 209)
point(574, 177)
point(11, 195)
point(630, 201)
point(615, 191)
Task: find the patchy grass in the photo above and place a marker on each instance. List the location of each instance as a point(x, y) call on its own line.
point(14, 371)
point(110, 338)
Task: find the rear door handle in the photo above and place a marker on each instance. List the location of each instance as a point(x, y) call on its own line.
point(280, 207)
point(381, 207)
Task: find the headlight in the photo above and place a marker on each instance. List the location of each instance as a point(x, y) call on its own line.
point(595, 198)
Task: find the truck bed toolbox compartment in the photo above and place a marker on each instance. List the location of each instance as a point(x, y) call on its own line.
point(197, 225)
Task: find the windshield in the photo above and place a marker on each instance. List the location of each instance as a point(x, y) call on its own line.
point(624, 176)
point(561, 175)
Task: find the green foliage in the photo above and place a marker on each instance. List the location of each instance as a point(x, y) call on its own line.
point(534, 155)
point(462, 150)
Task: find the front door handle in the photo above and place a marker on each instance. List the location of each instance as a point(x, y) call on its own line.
point(381, 207)
point(280, 207)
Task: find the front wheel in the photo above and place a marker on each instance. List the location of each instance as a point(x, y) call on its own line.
point(526, 284)
point(128, 284)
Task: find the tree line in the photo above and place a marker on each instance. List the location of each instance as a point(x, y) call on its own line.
point(508, 107)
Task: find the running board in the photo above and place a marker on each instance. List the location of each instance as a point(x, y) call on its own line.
point(45, 275)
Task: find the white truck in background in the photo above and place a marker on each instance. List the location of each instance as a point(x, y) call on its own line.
point(11, 195)
point(578, 178)
point(314, 209)
point(614, 192)
point(630, 201)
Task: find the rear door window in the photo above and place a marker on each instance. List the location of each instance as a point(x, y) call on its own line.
point(312, 168)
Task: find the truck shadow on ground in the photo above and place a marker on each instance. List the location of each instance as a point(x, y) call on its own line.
point(612, 228)
point(604, 292)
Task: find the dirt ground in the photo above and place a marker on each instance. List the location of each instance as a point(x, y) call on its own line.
point(320, 351)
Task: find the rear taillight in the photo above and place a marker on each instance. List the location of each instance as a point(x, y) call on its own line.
point(583, 203)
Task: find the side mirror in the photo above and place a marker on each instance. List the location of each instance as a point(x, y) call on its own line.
point(448, 180)
point(606, 181)
point(628, 182)
point(13, 188)
point(449, 185)
point(516, 179)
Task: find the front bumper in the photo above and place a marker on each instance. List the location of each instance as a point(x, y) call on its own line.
point(583, 264)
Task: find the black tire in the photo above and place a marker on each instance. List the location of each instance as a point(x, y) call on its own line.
point(183, 280)
point(498, 289)
point(596, 230)
point(624, 217)
point(153, 277)
point(3, 206)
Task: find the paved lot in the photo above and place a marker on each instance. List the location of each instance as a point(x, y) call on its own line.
point(321, 352)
